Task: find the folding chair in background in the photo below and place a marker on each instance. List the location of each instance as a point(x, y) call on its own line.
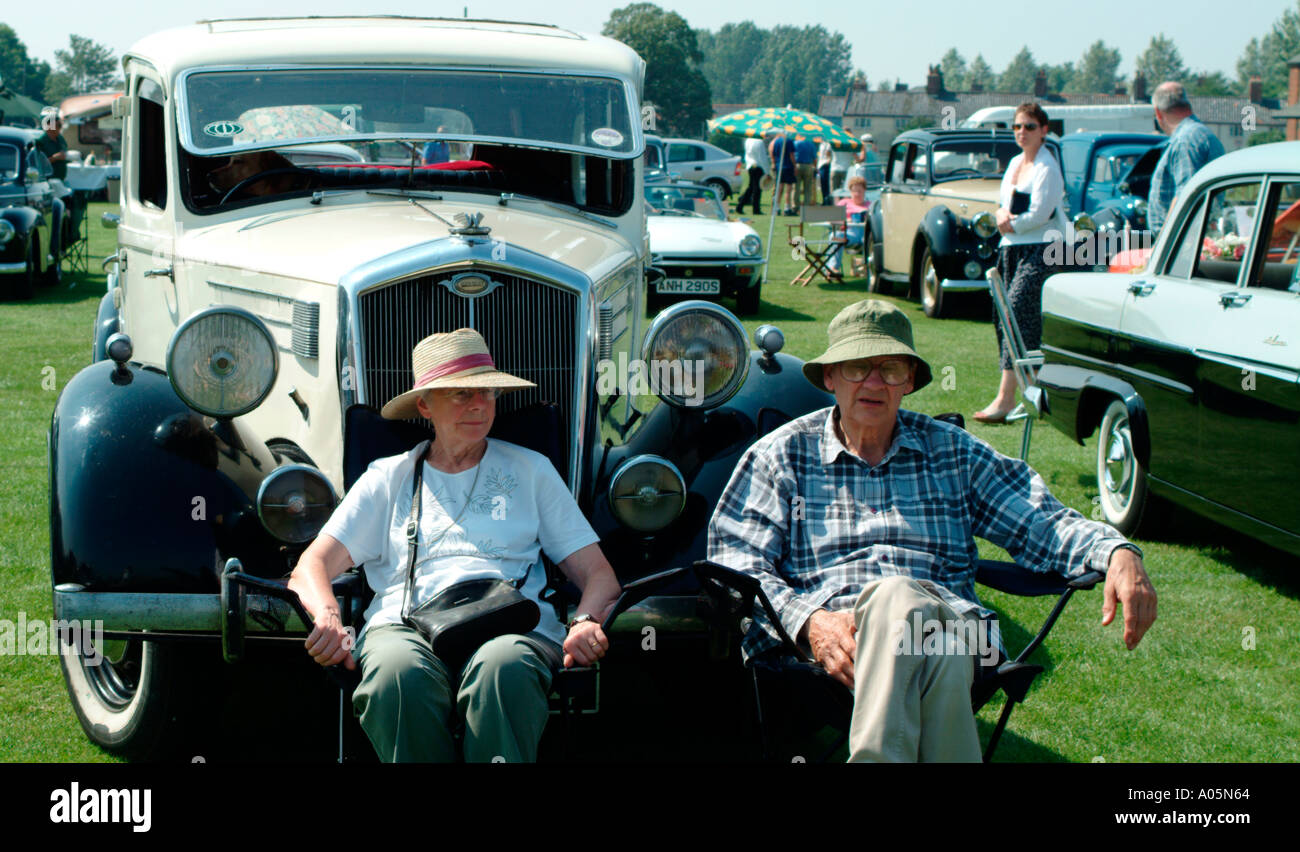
point(817, 253)
point(1024, 361)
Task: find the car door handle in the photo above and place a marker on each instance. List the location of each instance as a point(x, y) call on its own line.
point(1141, 288)
point(1234, 300)
point(161, 272)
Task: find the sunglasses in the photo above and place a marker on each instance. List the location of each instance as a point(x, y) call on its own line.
point(892, 372)
point(462, 396)
point(1026, 126)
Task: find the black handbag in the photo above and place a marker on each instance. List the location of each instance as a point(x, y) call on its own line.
point(463, 616)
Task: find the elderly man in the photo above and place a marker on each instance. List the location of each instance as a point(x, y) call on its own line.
point(1191, 145)
point(52, 144)
point(860, 518)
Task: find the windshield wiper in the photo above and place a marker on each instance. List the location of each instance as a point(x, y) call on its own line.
point(406, 193)
point(507, 197)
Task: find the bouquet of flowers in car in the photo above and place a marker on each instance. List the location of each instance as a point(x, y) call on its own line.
point(1226, 247)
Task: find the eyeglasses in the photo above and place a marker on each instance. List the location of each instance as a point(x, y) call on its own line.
point(462, 396)
point(1029, 125)
point(892, 372)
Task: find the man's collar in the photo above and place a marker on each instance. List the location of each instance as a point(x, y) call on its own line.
point(906, 436)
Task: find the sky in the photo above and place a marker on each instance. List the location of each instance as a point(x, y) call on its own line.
point(890, 39)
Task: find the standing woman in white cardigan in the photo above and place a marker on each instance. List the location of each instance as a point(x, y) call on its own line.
point(1030, 219)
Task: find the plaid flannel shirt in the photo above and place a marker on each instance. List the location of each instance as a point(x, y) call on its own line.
point(1190, 146)
point(814, 523)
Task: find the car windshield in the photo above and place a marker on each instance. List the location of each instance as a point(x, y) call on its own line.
point(973, 158)
point(8, 162)
point(684, 201)
point(223, 112)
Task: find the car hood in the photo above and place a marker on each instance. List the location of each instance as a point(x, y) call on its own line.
point(678, 236)
point(324, 243)
point(975, 189)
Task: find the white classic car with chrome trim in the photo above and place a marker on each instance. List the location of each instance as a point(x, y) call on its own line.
point(263, 304)
point(1190, 368)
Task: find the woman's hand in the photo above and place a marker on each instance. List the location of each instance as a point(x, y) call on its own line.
point(585, 644)
point(329, 643)
point(1004, 221)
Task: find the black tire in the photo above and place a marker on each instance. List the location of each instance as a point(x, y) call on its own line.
point(53, 275)
point(720, 186)
point(23, 285)
point(748, 301)
point(875, 284)
point(134, 702)
point(1121, 478)
point(931, 294)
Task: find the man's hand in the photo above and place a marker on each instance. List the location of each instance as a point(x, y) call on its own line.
point(585, 644)
point(830, 635)
point(1128, 584)
point(328, 643)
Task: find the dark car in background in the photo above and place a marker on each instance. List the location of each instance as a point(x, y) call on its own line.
point(1108, 176)
point(1189, 369)
point(31, 216)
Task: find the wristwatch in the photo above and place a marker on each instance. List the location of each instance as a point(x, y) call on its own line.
point(578, 619)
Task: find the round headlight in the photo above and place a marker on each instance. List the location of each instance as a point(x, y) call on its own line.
point(294, 502)
point(751, 246)
point(647, 493)
point(6, 232)
point(985, 250)
point(973, 269)
point(222, 361)
point(1084, 226)
point(984, 225)
point(697, 354)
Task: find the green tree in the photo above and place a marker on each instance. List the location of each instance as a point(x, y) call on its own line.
point(1267, 57)
point(797, 66)
point(1210, 84)
point(953, 68)
point(1019, 74)
point(981, 73)
point(86, 66)
point(1059, 76)
point(728, 56)
point(673, 80)
point(1161, 61)
point(1264, 137)
point(19, 71)
point(1097, 72)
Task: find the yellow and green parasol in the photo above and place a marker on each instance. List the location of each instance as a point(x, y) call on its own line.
point(796, 122)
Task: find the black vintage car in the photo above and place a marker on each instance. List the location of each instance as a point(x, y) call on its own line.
point(31, 216)
point(1189, 367)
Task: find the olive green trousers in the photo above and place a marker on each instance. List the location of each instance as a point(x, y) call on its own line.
point(410, 705)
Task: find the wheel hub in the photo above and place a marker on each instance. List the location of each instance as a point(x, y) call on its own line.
point(1119, 464)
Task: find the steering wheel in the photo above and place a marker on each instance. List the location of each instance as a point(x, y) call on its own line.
point(964, 169)
point(263, 175)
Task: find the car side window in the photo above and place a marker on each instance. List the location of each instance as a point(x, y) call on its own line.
point(916, 169)
point(897, 158)
point(1102, 171)
point(1229, 226)
point(151, 149)
point(680, 153)
point(1276, 265)
point(1189, 244)
point(37, 160)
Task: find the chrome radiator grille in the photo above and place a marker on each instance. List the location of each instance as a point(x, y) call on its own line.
point(531, 329)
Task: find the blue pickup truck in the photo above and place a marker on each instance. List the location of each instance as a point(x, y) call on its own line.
point(1108, 175)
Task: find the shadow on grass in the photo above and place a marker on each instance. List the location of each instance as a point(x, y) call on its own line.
point(74, 288)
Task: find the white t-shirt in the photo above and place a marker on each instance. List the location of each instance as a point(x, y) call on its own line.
point(756, 155)
point(519, 507)
point(1044, 221)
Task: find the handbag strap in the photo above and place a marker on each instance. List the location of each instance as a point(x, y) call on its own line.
point(413, 527)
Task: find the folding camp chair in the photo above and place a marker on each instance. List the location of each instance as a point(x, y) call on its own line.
point(817, 253)
point(790, 671)
point(574, 691)
point(1024, 361)
point(77, 253)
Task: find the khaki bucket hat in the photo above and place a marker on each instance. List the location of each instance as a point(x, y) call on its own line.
point(868, 329)
point(456, 359)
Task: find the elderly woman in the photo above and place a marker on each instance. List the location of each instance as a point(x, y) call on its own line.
point(1029, 218)
point(488, 508)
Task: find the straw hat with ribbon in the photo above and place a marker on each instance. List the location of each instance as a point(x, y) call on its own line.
point(868, 329)
point(456, 359)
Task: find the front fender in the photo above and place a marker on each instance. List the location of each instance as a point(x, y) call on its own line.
point(1076, 400)
point(940, 229)
point(145, 494)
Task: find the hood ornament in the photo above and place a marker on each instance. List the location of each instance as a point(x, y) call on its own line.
point(467, 224)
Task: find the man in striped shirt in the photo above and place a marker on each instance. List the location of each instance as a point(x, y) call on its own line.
point(859, 521)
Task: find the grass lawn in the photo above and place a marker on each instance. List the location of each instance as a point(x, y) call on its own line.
point(1214, 680)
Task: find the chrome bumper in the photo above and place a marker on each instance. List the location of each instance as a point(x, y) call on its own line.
point(13, 267)
point(960, 284)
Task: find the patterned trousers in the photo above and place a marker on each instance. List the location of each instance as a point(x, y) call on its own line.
point(1023, 268)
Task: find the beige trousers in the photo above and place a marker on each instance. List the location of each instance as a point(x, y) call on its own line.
point(909, 707)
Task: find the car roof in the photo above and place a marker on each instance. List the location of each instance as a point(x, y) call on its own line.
point(1089, 137)
point(1274, 157)
point(383, 39)
point(19, 136)
point(935, 133)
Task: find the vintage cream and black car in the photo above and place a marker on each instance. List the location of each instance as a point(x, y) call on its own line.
point(927, 231)
point(260, 311)
point(33, 224)
point(1189, 369)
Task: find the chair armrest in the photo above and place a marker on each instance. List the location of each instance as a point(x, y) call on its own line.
point(638, 590)
point(714, 578)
